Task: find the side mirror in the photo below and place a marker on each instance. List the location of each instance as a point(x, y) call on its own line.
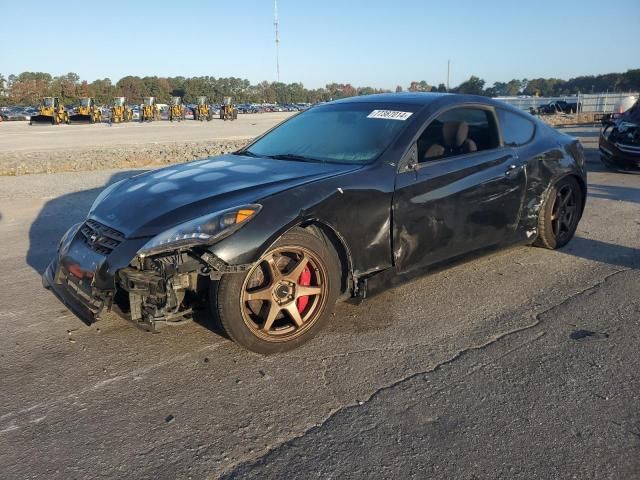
point(410, 159)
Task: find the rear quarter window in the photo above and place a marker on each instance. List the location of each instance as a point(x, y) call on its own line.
point(516, 129)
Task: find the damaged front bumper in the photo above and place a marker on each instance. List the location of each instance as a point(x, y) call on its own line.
point(87, 304)
point(91, 279)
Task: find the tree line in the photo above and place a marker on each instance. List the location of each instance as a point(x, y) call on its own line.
point(28, 88)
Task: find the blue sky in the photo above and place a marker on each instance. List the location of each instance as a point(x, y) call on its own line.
point(364, 42)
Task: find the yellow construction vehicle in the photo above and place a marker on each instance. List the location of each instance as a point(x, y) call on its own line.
point(149, 111)
point(119, 110)
point(176, 111)
point(228, 111)
point(50, 111)
point(203, 110)
point(88, 112)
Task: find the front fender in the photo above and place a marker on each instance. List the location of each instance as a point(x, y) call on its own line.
point(355, 206)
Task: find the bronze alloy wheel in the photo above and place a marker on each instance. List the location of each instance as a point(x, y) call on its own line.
point(284, 294)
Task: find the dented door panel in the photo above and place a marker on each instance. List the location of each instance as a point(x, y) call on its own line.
point(455, 205)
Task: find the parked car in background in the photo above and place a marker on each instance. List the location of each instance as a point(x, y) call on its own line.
point(558, 106)
point(619, 141)
point(17, 113)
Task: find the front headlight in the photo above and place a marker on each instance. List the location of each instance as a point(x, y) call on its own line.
point(104, 193)
point(200, 231)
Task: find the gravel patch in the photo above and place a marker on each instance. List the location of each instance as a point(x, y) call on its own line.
point(112, 157)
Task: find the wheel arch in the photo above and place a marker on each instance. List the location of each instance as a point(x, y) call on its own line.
point(338, 243)
point(581, 181)
point(583, 188)
point(327, 232)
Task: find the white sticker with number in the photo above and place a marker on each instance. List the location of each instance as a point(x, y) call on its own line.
point(390, 115)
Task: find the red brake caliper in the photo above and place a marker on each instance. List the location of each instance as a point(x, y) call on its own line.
point(305, 281)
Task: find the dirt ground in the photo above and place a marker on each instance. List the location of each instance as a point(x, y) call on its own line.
point(26, 149)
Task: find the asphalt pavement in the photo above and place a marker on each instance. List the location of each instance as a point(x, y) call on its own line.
point(519, 364)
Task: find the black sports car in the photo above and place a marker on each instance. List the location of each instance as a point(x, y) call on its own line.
point(620, 141)
point(334, 201)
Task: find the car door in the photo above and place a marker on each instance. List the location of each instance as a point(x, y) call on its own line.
point(460, 201)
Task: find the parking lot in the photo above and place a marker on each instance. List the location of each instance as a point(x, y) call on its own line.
point(48, 148)
point(519, 364)
point(20, 136)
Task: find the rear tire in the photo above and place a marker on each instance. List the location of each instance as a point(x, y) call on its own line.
point(560, 213)
point(285, 299)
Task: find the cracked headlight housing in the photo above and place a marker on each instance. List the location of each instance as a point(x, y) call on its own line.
point(200, 231)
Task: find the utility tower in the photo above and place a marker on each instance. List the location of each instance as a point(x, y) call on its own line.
point(275, 24)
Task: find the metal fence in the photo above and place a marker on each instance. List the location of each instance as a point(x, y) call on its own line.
point(592, 102)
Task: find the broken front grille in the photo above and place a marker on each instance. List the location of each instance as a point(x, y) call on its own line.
point(99, 237)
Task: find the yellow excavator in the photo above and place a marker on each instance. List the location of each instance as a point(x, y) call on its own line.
point(50, 111)
point(119, 110)
point(176, 112)
point(203, 110)
point(149, 111)
point(228, 111)
point(88, 112)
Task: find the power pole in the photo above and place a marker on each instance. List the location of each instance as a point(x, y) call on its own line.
point(275, 23)
point(448, 73)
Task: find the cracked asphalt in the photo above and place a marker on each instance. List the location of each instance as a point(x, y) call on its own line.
point(519, 364)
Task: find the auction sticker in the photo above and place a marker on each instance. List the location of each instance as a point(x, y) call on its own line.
point(390, 115)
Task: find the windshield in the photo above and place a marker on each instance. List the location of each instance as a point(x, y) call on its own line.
point(118, 101)
point(148, 101)
point(338, 133)
point(175, 100)
point(85, 102)
point(47, 102)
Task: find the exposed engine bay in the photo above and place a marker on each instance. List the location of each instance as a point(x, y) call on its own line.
point(166, 288)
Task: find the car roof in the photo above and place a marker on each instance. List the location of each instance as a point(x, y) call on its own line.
point(420, 98)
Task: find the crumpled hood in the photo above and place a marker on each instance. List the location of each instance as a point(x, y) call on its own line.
point(152, 202)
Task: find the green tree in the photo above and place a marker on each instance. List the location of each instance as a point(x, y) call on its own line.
point(473, 86)
point(66, 87)
point(421, 86)
point(3, 90)
point(30, 87)
point(133, 88)
point(102, 90)
point(513, 87)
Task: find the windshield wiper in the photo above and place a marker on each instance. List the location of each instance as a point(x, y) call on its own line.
point(294, 157)
point(246, 153)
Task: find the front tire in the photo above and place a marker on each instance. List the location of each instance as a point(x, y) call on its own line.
point(560, 214)
point(285, 299)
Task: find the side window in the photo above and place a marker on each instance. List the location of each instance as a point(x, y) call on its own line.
point(456, 132)
point(516, 129)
